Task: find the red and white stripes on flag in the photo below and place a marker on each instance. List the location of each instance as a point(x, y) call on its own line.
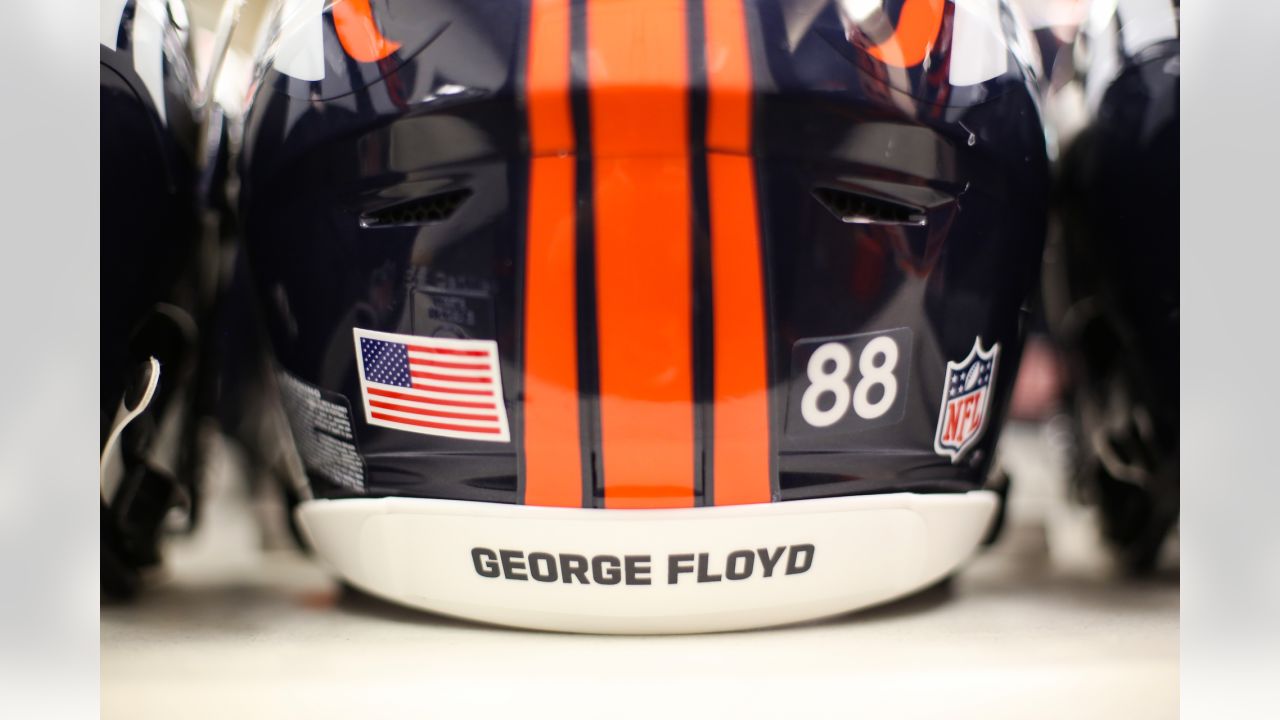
point(433, 386)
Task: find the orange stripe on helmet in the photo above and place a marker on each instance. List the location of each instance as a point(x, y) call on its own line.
point(638, 88)
point(359, 35)
point(552, 456)
point(917, 30)
point(729, 86)
point(741, 445)
point(547, 78)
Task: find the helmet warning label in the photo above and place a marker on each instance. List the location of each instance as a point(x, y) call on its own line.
point(671, 569)
point(322, 430)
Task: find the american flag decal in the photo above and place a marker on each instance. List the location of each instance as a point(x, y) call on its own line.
point(434, 386)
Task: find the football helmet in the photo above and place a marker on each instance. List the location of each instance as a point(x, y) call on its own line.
point(644, 315)
point(150, 230)
point(1111, 278)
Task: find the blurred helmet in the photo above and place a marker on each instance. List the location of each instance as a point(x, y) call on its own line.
point(149, 231)
point(1111, 279)
point(636, 316)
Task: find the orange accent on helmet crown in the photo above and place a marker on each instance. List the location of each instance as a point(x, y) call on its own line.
point(917, 31)
point(359, 34)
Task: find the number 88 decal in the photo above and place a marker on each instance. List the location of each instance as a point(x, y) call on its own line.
point(833, 384)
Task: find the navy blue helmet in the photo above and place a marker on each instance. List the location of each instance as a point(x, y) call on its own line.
point(716, 258)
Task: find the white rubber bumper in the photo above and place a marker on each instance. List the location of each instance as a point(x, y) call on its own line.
point(647, 571)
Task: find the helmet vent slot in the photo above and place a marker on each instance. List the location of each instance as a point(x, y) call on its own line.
point(427, 210)
point(861, 209)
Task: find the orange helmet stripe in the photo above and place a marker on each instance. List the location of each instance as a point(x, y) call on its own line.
point(741, 447)
point(547, 78)
point(552, 472)
point(638, 83)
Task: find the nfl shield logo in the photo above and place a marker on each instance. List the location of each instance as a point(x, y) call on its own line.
point(966, 398)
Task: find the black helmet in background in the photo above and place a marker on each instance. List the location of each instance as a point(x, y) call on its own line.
point(1111, 275)
point(149, 295)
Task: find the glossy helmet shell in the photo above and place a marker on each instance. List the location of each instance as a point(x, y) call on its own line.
point(705, 253)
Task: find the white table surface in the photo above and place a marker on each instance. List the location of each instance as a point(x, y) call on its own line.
point(1030, 629)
